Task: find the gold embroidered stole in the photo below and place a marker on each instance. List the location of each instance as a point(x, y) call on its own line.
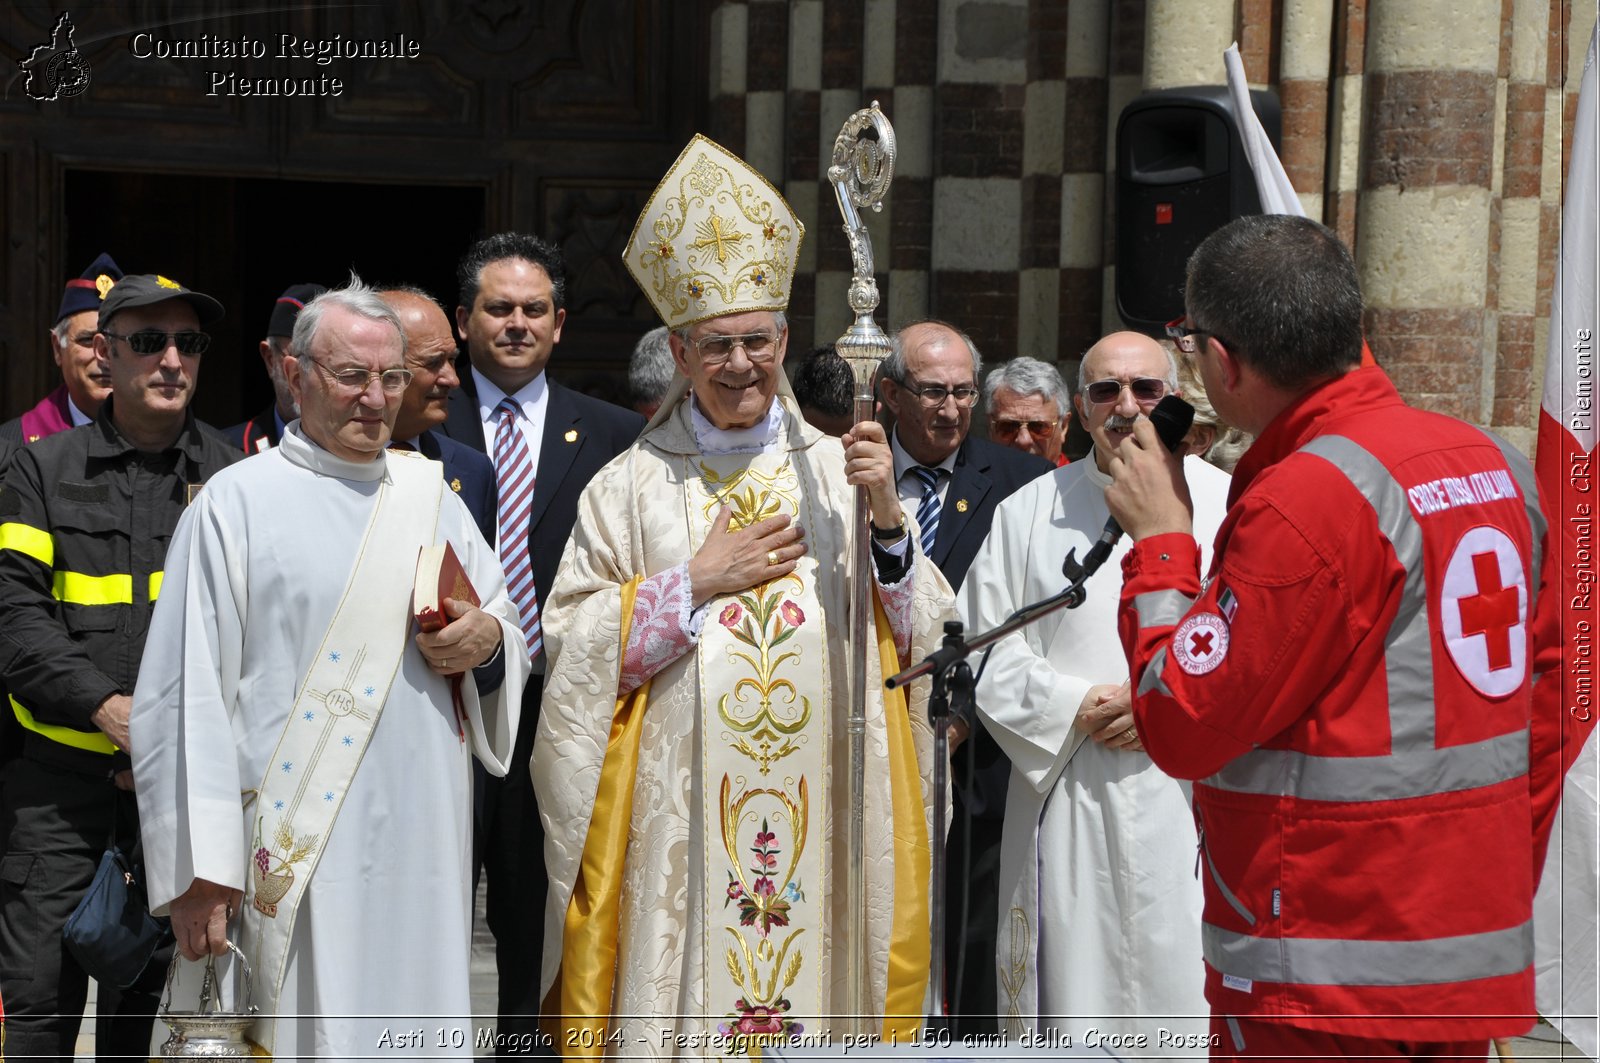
point(764, 681)
point(331, 722)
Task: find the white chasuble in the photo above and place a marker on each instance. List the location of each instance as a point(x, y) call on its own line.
point(254, 576)
point(1099, 907)
point(730, 921)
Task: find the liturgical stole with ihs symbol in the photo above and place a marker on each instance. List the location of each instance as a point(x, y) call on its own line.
point(333, 718)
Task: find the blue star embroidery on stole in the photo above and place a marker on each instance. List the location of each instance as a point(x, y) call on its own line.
point(370, 691)
point(288, 765)
point(328, 796)
point(334, 656)
point(309, 716)
point(277, 806)
point(347, 740)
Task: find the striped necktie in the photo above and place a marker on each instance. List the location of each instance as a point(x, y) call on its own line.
point(513, 473)
point(928, 508)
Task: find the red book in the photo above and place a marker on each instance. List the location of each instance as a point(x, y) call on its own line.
point(440, 576)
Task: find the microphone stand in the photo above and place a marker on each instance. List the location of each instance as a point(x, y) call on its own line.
point(953, 682)
point(955, 648)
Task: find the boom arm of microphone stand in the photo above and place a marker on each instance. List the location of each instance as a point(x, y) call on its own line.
point(958, 649)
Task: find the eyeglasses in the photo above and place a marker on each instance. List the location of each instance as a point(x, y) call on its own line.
point(1146, 389)
point(154, 341)
point(354, 380)
point(1185, 337)
point(1007, 429)
point(715, 350)
point(933, 395)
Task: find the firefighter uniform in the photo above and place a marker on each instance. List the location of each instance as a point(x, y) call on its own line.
point(85, 519)
point(1353, 689)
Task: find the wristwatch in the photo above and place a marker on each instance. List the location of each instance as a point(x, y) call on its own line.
point(888, 535)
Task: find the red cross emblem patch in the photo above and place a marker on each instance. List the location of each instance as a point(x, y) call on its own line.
point(1483, 610)
point(1200, 643)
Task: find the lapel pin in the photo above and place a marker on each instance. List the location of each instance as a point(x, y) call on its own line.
point(455, 485)
point(961, 505)
point(572, 435)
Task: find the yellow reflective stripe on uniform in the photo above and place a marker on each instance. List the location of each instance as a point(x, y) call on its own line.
point(81, 589)
point(155, 585)
point(93, 741)
point(26, 539)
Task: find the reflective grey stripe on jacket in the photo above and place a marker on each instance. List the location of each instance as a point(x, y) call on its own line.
point(1415, 767)
point(1332, 961)
point(1157, 608)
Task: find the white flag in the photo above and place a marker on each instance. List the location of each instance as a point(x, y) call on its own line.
point(1564, 912)
point(1272, 182)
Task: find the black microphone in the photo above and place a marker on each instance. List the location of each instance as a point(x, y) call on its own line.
point(1172, 418)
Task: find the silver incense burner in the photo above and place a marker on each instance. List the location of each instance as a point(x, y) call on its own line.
point(209, 1032)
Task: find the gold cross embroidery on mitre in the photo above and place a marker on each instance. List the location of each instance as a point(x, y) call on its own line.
point(718, 236)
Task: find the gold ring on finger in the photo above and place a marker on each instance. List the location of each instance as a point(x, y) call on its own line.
point(772, 557)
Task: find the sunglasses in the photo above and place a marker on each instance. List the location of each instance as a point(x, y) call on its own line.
point(1145, 389)
point(1180, 333)
point(1007, 429)
point(154, 341)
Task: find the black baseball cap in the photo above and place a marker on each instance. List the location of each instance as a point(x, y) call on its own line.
point(147, 289)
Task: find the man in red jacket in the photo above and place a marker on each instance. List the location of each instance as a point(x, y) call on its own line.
point(1353, 685)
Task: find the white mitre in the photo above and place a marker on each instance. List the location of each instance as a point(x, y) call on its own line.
point(716, 238)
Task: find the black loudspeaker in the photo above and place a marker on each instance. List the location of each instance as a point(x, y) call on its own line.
point(1181, 175)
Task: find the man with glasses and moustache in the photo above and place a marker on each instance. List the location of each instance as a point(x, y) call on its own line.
point(1100, 910)
point(282, 665)
point(697, 869)
point(951, 482)
point(85, 518)
point(1030, 408)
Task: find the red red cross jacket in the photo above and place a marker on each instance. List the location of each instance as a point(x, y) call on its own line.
point(1353, 689)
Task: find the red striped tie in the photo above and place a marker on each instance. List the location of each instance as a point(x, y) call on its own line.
point(515, 479)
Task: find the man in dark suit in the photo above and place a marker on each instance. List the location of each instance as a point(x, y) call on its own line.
point(951, 483)
point(553, 440)
point(262, 431)
point(431, 356)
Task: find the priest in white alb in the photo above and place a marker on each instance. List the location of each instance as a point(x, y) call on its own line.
point(302, 768)
point(691, 759)
point(1099, 906)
